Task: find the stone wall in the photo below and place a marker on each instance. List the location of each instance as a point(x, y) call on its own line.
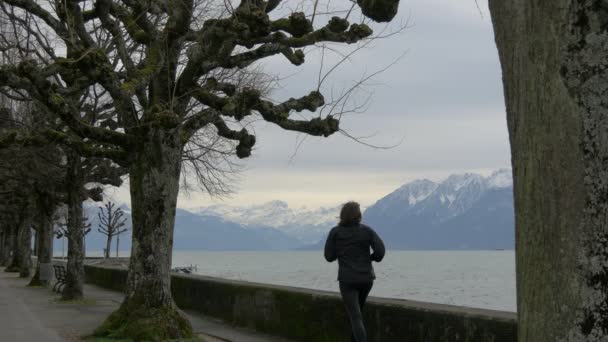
point(318, 316)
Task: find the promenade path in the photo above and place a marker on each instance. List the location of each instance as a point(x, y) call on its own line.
point(35, 314)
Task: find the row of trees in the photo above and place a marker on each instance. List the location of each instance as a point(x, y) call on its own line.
point(154, 89)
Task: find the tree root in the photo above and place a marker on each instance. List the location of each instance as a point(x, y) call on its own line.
point(145, 324)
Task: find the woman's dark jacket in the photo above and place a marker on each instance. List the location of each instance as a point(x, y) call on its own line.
point(351, 246)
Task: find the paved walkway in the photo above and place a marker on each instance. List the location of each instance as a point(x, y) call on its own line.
point(34, 314)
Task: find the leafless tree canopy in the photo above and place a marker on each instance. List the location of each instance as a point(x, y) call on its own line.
point(111, 223)
point(112, 69)
point(163, 87)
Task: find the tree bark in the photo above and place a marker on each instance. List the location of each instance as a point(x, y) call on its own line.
point(148, 312)
point(44, 236)
point(7, 244)
point(73, 289)
point(13, 261)
point(36, 242)
point(24, 233)
point(2, 244)
point(21, 256)
point(25, 248)
point(554, 56)
point(35, 281)
point(11, 245)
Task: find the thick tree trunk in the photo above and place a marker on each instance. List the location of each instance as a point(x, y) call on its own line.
point(35, 281)
point(44, 236)
point(7, 244)
point(21, 256)
point(36, 242)
point(148, 312)
point(25, 248)
point(9, 250)
point(2, 244)
point(554, 56)
point(73, 289)
point(14, 260)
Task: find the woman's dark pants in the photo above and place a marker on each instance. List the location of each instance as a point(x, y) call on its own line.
point(354, 296)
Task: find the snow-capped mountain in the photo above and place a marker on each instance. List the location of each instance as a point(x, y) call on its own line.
point(307, 225)
point(193, 232)
point(464, 211)
point(273, 214)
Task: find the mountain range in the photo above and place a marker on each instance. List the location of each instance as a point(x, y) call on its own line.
point(465, 211)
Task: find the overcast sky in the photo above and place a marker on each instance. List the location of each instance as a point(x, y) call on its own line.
point(441, 103)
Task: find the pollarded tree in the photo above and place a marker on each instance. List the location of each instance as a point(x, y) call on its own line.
point(554, 56)
point(162, 73)
point(25, 176)
point(111, 224)
point(44, 174)
point(57, 170)
point(46, 204)
point(62, 229)
point(6, 230)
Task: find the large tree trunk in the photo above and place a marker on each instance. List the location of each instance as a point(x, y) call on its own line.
point(13, 261)
point(7, 244)
point(25, 248)
point(73, 289)
point(44, 236)
point(21, 256)
point(11, 240)
point(36, 242)
point(554, 56)
point(35, 281)
point(84, 243)
point(148, 312)
point(2, 244)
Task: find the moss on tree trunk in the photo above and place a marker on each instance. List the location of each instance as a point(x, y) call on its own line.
point(4, 247)
point(44, 236)
point(21, 256)
point(8, 244)
point(148, 312)
point(554, 56)
point(74, 285)
point(25, 248)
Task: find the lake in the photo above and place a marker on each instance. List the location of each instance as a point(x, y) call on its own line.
point(482, 279)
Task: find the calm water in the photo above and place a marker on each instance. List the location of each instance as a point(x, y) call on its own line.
point(483, 279)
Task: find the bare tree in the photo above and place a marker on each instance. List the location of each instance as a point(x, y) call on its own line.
point(35, 129)
point(162, 65)
point(111, 224)
point(62, 229)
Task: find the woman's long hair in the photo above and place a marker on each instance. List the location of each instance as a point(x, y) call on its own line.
point(350, 214)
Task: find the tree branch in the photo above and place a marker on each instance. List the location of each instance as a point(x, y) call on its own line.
point(29, 77)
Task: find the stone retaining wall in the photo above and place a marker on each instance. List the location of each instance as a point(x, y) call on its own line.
point(318, 316)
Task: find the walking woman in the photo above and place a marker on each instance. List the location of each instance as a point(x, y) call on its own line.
point(350, 243)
